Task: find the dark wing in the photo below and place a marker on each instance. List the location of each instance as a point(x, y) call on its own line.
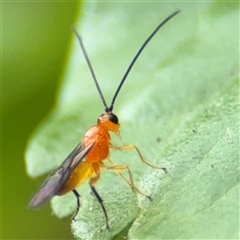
point(59, 176)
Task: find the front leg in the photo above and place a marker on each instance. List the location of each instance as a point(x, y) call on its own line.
point(130, 147)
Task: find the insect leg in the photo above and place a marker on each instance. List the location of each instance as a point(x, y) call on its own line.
point(130, 147)
point(78, 203)
point(91, 183)
point(118, 169)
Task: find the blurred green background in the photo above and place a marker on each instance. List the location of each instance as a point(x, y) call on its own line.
point(35, 39)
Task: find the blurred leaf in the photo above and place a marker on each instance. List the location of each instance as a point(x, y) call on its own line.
point(182, 91)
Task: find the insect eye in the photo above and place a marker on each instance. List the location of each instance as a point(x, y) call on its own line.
point(113, 118)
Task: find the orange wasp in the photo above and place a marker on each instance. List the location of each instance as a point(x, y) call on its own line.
point(87, 158)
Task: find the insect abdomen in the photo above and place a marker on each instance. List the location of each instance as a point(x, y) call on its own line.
point(83, 171)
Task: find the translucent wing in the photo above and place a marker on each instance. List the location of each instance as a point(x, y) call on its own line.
point(59, 176)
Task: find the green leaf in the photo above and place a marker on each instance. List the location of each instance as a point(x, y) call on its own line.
point(179, 105)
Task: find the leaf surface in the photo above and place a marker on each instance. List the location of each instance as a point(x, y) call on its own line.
point(179, 105)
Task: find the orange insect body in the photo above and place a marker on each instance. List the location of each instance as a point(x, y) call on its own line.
point(87, 158)
point(99, 136)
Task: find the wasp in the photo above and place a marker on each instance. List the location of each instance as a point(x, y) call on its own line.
point(86, 160)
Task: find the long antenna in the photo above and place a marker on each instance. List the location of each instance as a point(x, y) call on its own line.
point(91, 69)
point(137, 55)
